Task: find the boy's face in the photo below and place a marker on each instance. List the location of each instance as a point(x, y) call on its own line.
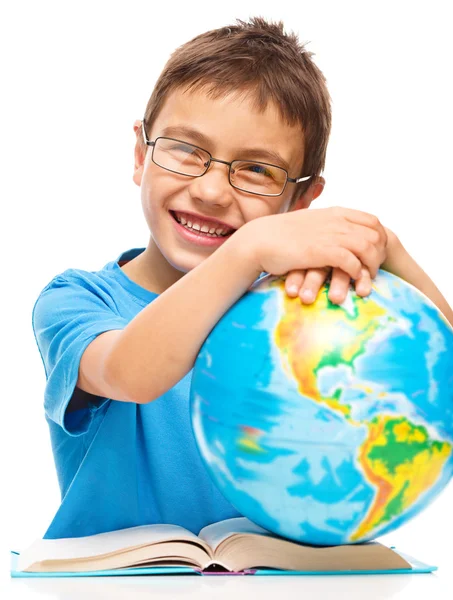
point(231, 127)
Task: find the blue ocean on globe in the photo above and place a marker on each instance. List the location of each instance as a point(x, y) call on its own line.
point(327, 424)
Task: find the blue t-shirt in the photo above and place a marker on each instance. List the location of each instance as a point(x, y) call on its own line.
point(119, 464)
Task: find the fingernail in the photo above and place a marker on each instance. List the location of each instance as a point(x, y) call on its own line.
point(307, 295)
point(292, 289)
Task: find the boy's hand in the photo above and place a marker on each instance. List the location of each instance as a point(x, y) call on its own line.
point(344, 239)
point(306, 283)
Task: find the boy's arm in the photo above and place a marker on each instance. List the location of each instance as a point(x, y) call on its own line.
point(160, 345)
point(400, 263)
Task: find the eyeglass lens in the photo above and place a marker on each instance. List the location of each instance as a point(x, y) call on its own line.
point(188, 159)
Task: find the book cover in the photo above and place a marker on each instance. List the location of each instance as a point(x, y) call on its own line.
point(417, 567)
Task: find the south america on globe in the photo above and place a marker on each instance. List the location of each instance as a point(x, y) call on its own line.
point(327, 424)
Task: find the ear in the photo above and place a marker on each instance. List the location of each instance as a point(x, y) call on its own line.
point(310, 194)
point(139, 153)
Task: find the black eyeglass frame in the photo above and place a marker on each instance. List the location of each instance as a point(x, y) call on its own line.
point(152, 144)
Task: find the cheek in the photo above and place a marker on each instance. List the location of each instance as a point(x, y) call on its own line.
point(157, 189)
point(253, 208)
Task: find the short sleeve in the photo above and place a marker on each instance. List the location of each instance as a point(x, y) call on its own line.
point(66, 318)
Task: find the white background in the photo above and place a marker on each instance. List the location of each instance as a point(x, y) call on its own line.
point(75, 76)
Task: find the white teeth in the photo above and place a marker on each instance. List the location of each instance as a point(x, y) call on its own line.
point(213, 232)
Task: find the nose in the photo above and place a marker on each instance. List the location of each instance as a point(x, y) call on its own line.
point(213, 187)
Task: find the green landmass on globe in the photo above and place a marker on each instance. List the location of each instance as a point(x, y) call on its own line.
point(398, 457)
point(327, 423)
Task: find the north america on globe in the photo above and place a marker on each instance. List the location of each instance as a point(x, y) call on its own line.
point(327, 424)
point(398, 457)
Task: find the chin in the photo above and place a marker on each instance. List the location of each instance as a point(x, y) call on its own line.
point(184, 266)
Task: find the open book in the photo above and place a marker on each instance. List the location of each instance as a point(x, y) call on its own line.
point(234, 545)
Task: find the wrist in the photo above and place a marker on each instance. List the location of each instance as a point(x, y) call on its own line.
point(395, 252)
point(244, 246)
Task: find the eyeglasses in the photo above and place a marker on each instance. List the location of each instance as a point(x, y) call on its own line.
point(186, 159)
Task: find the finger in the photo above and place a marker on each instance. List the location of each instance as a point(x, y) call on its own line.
point(363, 284)
point(370, 254)
point(293, 282)
point(339, 286)
point(337, 255)
point(368, 245)
point(314, 279)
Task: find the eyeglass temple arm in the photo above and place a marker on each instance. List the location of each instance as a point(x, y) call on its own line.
point(145, 137)
point(299, 179)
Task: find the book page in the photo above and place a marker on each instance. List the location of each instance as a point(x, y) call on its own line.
point(184, 553)
point(103, 543)
point(240, 544)
point(216, 533)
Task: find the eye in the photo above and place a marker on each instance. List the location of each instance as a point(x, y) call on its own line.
point(256, 168)
point(185, 152)
point(183, 148)
point(259, 170)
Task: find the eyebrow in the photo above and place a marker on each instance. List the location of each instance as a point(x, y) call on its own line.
point(203, 139)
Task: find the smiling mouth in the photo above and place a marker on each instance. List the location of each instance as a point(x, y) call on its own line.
point(202, 227)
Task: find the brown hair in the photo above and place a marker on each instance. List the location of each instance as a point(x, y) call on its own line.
point(256, 57)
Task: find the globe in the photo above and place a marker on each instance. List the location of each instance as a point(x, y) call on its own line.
point(327, 424)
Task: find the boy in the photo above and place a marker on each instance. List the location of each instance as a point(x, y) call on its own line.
point(231, 146)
